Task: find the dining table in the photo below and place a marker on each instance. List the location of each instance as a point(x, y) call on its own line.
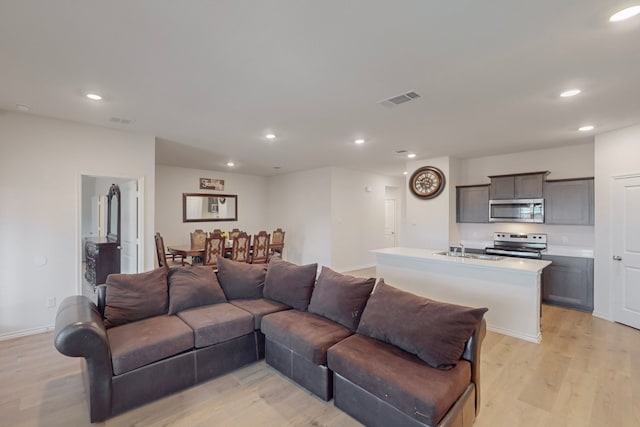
point(186, 250)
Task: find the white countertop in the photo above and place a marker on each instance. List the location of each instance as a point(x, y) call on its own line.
point(521, 264)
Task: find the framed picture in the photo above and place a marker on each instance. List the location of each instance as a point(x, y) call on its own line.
point(211, 184)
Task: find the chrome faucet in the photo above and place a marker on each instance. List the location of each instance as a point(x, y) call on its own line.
point(462, 249)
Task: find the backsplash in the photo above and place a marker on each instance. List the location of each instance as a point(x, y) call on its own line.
point(559, 235)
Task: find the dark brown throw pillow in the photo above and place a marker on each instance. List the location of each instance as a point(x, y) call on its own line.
point(340, 298)
point(434, 331)
point(132, 297)
point(241, 280)
point(289, 283)
point(193, 287)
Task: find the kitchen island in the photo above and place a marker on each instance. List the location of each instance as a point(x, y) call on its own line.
point(508, 287)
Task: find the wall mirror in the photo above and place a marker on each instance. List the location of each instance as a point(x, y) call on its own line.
point(197, 207)
point(113, 214)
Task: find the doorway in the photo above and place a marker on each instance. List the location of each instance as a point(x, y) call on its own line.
point(93, 213)
point(625, 257)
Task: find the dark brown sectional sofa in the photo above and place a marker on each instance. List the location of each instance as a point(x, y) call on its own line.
point(386, 358)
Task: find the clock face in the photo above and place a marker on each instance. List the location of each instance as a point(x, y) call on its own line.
point(427, 182)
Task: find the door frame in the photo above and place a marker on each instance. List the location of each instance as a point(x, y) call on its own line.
point(613, 289)
point(141, 223)
point(395, 218)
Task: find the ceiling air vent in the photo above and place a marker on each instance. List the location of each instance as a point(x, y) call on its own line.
point(399, 99)
point(121, 120)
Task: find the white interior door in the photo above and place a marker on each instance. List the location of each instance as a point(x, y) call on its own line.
point(129, 240)
point(390, 223)
point(625, 271)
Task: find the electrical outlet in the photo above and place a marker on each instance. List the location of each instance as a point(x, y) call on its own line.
point(51, 302)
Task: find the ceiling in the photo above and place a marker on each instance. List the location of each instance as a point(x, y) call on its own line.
point(210, 79)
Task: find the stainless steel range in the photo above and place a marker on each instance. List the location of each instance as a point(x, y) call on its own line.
point(518, 245)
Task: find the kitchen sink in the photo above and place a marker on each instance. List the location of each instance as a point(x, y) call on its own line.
point(483, 257)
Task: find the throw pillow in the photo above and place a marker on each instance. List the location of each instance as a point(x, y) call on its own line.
point(340, 298)
point(289, 283)
point(434, 331)
point(132, 297)
point(240, 280)
point(193, 287)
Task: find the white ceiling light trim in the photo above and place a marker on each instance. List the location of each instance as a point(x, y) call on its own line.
point(586, 128)
point(94, 96)
point(569, 93)
point(231, 164)
point(411, 155)
point(627, 13)
point(359, 141)
point(270, 136)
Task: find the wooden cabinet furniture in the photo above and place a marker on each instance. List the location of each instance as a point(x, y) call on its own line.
point(520, 186)
point(472, 203)
point(568, 282)
point(103, 258)
point(569, 201)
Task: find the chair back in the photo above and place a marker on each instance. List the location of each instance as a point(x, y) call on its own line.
point(216, 230)
point(240, 247)
point(234, 233)
point(197, 239)
point(214, 245)
point(277, 241)
point(160, 251)
point(260, 248)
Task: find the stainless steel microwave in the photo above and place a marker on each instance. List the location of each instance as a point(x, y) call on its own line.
point(519, 210)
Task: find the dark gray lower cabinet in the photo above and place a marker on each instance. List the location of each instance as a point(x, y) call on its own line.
point(568, 282)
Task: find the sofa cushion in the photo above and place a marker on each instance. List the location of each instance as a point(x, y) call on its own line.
point(193, 287)
point(289, 283)
point(340, 298)
point(146, 341)
point(434, 331)
point(217, 323)
point(239, 279)
point(306, 334)
point(259, 308)
point(399, 378)
point(132, 297)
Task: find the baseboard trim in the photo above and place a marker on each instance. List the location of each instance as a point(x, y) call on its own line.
point(357, 267)
point(602, 316)
point(531, 338)
point(26, 332)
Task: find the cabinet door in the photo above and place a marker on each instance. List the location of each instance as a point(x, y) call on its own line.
point(528, 186)
point(569, 202)
point(568, 282)
point(472, 204)
point(502, 187)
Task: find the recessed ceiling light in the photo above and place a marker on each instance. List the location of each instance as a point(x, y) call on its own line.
point(405, 173)
point(230, 164)
point(411, 155)
point(94, 96)
point(627, 13)
point(22, 107)
point(586, 128)
point(359, 141)
point(570, 93)
point(270, 136)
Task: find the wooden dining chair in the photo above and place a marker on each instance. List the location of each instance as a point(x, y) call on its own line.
point(161, 252)
point(260, 252)
point(216, 230)
point(197, 239)
point(214, 246)
point(234, 233)
point(276, 246)
point(240, 248)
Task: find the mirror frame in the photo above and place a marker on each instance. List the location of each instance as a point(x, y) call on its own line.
point(207, 195)
point(114, 192)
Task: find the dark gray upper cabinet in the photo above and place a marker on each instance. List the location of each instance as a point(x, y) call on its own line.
point(569, 202)
point(472, 203)
point(568, 282)
point(520, 186)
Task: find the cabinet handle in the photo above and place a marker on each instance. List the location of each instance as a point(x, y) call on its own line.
point(617, 258)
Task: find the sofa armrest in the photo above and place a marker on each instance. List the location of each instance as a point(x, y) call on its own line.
point(471, 353)
point(101, 294)
point(81, 333)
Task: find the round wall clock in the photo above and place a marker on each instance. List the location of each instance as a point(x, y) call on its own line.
point(427, 182)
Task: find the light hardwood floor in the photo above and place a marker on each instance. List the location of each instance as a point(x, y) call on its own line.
point(586, 372)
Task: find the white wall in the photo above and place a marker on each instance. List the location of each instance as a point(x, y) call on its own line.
point(616, 153)
point(172, 181)
point(357, 217)
point(300, 203)
point(41, 162)
point(427, 222)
